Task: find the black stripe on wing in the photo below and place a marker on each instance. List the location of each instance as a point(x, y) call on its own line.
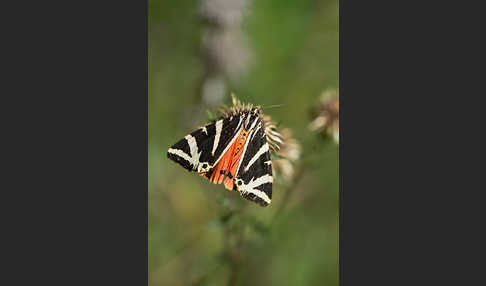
point(204, 138)
point(256, 182)
point(228, 132)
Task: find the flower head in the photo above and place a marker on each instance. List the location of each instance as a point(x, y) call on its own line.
point(327, 119)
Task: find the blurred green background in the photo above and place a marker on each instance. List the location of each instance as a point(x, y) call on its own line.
point(293, 48)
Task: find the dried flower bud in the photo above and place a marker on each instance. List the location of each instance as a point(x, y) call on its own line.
point(288, 155)
point(327, 119)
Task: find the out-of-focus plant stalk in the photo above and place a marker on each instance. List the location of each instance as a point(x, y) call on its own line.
point(224, 50)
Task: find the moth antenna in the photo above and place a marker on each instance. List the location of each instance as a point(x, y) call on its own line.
point(273, 106)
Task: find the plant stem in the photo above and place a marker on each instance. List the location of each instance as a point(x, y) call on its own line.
point(233, 228)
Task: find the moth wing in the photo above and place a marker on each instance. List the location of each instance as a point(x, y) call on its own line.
point(254, 177)
point(200, 150)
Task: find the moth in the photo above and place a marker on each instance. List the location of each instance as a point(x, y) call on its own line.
point(233, 150)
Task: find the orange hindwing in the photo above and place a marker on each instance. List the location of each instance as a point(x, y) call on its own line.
point(227, 166)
